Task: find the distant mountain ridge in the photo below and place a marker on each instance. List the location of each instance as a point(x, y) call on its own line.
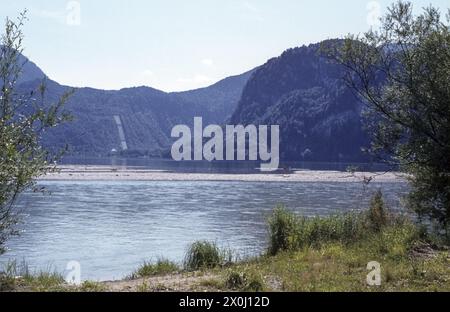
point(320, 119)
point(30, 71)
point(219, 97)
point(147, 114)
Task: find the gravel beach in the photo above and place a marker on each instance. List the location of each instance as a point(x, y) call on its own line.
point(109, 173)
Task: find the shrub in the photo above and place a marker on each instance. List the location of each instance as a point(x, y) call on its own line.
point(203, 255)
point(234, 280)
point(161, 267)
point(397, 241)
point(392, 233)
point(377, 215)
point(289, 232)
point(283, 230)
point(23, 121)
point(244, 281)
point(254, 283)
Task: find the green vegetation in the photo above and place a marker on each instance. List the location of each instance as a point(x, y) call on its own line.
point(88, 286)
point(304, 254)
point(161, 267)
point(332, 254)
point(288, 232)
point(372, 225)
point(339, 267)
point(244, 280)
point(402, 72)
point(377, 216)
point(19, 276)
point(23, 120)
point(205, 255)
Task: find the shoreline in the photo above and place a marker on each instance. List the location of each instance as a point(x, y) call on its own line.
point(110, 173)
point(328, 264)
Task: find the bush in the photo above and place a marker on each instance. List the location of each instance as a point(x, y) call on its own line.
point(397, 241)
point(23, 122)
point(289, 232)
point(234, 280)
point(204, 255)
point(283, 230)
point(244, 281)
point(377, 215)
point(161, 267)
point(407, 113)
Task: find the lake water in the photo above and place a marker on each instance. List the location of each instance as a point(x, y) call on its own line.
point(110, 228)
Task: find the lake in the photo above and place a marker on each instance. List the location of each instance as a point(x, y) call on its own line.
point(110, 228)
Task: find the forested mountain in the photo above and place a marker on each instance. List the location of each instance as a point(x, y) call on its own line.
point(147, 115)
point(319, 117)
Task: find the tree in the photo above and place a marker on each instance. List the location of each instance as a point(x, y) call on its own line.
point(402, 72)
point(24, 117)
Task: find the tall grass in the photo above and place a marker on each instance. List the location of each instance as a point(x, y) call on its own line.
point(288, 231)
point(206, 255)
point(161, 267)
point(284, 230)
point(19, 274)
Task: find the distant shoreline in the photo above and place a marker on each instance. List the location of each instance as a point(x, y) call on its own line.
point(110, 173)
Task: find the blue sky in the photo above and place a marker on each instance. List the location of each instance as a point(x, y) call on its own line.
point(177, 44)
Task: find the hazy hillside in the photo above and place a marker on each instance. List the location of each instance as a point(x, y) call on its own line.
point(30, 71)
point(219, 100)
point(319, 117)
point(147, 115)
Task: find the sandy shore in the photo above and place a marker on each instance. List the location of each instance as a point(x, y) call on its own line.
point(108, 173)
